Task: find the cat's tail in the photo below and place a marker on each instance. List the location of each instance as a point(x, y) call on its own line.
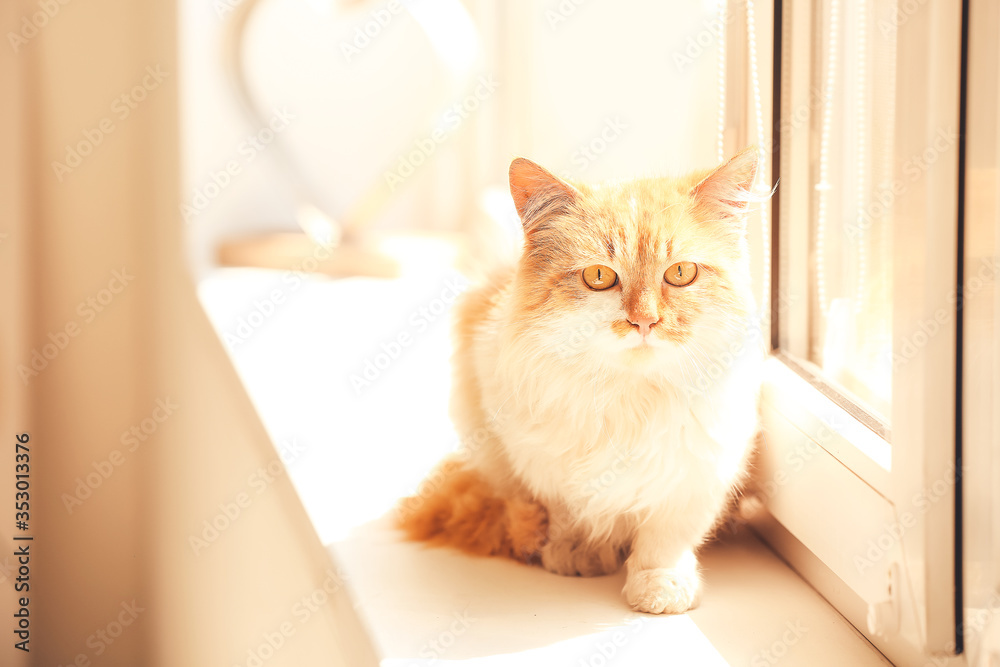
point(456, 506)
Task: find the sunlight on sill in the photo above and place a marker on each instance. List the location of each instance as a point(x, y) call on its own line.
point(425, 605)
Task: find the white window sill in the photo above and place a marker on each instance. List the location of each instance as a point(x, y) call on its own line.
point(352, 454)
point(424, 605)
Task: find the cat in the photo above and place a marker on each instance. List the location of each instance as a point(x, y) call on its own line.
point(606, 386)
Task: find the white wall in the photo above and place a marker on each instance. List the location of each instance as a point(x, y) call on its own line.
point(622, 62)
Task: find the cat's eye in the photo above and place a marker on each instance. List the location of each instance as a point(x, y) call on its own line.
point(681, 274)
point(599, 277)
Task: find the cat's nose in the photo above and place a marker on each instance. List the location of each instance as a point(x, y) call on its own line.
point(643, 322)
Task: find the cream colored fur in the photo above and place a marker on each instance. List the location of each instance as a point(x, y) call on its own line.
point(634, 444)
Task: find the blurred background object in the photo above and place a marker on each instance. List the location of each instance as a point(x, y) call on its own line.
point(356, 120)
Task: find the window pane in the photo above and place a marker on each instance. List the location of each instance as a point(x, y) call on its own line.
point(850, 243)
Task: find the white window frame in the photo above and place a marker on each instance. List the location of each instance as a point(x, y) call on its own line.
point(836, 494)
point(981, 338)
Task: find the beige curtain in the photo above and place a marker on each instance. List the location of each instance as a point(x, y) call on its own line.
point(141, 437)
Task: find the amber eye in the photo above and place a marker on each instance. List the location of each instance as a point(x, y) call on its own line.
point(599, 277)
point(681, 274)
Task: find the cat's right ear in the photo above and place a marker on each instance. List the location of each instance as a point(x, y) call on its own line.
point(537, 192)
point(726, 192)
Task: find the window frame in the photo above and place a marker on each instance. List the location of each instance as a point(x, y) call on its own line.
point(980, 342)
point(815, 450)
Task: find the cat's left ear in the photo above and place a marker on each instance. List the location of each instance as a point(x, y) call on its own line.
point(537, 192)
point(725, 192)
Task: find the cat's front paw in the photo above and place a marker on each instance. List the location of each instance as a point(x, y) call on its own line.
point(663, 590)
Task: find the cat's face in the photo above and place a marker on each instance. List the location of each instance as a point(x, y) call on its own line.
point(644, 275)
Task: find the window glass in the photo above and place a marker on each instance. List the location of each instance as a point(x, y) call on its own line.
point(849, 325)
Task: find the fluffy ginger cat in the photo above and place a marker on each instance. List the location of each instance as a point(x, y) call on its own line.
point(605, 386)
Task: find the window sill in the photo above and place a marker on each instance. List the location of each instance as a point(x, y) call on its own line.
point(425, 604)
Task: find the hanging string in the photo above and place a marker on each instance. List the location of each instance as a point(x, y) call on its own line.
point(721, 65)
point(861, 164)
point(765, 229)
point(823, 187)
point(881, 238)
